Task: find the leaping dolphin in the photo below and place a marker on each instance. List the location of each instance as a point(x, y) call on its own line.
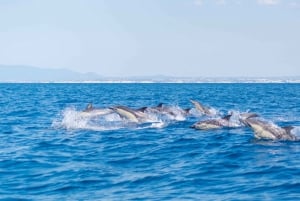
point(212, 123)
point(90, 111)
point(173, 111)
point(223, 122)
point(130, 114)
point(169, 112)
point(266, 130)
point(201, 108)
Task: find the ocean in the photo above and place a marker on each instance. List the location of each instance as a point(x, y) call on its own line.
point(48, 151)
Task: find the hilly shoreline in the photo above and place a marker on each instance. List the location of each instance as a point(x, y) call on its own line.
point(30, 74)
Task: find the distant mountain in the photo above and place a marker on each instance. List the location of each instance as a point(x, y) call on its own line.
point(34, 74)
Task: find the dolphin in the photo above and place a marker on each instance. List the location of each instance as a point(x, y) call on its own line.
point(161, 108)
point(174, 112)
point(223, 122)
point(213, 123)
point(201, 108)
point(247, 115)
point(130, 114)
point(90, 111)
point(266, 130)
point(173, 109)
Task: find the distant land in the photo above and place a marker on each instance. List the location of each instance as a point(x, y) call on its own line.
point(30, 74)
point(35, 74)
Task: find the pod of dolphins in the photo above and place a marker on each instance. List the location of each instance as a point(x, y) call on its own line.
point(262, 129)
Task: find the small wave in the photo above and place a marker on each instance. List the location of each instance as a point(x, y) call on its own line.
point(285, 118)
point(72, 119)
point(296, 131)
point(170, 113)
point(195, 113)
point(235, 119)
point(160, 124)
point(213, 111)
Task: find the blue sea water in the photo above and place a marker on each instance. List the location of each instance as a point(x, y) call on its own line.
point(47, 152)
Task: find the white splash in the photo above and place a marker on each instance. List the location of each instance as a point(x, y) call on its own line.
point(72, 119)
point(296, 131)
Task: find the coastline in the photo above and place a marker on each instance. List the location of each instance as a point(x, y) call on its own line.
point(169, 81)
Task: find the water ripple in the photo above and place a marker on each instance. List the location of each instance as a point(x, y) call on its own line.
point(42, 160)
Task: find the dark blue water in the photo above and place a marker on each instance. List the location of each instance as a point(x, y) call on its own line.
point(48, 154)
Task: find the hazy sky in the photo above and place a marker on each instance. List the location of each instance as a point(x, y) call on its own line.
point(153, 37)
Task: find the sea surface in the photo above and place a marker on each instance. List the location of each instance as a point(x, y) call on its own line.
point(48, 151)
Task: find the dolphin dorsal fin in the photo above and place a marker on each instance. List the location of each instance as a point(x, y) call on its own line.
point(89, 107)
point(142, 109)
point(288, 128)
point(187, 110)
point(227, 117)
point(160, 105)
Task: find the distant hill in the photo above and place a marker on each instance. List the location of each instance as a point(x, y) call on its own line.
point(35, 74)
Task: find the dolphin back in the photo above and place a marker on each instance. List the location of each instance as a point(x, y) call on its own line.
point(249, 115)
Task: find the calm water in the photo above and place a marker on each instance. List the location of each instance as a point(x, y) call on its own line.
point(48, 153)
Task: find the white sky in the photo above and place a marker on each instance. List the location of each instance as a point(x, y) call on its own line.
point(153, 37)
